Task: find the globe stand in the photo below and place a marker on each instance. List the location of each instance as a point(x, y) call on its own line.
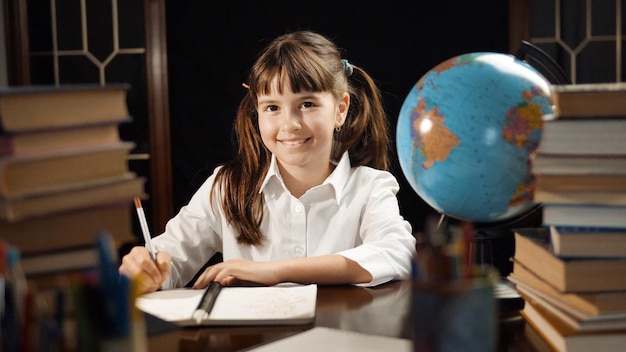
point(480, 247)
point(481, 239)
point(481, 251)
point(492, 244)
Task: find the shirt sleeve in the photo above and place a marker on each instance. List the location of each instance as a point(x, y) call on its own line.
point(191, 237)
point(388, 246)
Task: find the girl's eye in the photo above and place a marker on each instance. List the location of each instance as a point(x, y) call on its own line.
point(307, 104)
point(271, 108)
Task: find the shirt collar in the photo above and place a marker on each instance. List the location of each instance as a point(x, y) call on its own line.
point(337, 179)
point(272, 172)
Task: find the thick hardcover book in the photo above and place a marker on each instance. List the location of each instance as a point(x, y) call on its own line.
point(581, 197)
point(47, 141)
point(591, 99)
point(584, 137)
point(587, 304)
point(589, 215)
point(42, 173)
point(69, 260)
point(576, 324)
point(533, 250)
point(562, 339)
point(32, 108)
point(284, 304)
point(70, 229)
point(581, 183)
point(109, 191)
point(564, 164)
point(591, 242)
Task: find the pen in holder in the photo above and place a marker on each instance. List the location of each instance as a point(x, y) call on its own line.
point(453, 307)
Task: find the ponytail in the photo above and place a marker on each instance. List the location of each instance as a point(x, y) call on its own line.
point(365, 134)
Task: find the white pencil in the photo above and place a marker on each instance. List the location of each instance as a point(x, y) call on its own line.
point(144, 228)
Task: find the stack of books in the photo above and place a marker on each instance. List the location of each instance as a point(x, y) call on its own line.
point(572, 271)
point(64, 174)
point(580, 169)
point(574, 304)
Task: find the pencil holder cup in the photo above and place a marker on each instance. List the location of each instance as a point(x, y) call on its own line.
point(454, 315)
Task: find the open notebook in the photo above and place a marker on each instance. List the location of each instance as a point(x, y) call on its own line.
point(284, 304)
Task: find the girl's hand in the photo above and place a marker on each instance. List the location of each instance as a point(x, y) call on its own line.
point(149, 274)
point(238, 271)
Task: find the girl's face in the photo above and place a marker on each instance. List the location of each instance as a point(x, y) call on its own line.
point(298, 127)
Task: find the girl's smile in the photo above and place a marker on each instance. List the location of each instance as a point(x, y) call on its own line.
point(295, 142)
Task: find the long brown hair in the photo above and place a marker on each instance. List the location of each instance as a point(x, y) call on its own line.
point(307, 61)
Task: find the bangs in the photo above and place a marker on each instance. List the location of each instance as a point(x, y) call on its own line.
point(299, 69)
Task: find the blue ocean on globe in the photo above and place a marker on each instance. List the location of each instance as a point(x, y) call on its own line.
point(466, 134)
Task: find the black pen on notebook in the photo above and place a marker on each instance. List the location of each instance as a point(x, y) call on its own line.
point(207, 301)
point(144, 228)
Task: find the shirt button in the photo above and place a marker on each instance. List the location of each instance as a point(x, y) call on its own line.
point(298, 250)
point(298, 208)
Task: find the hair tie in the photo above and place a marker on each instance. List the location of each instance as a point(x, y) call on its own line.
point(347, 67)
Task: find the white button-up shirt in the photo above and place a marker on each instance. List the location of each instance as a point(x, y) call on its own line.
point(354, 213)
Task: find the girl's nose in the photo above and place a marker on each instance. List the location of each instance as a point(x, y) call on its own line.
point(291, 121)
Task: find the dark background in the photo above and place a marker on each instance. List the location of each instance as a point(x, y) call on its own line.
point(212, 45)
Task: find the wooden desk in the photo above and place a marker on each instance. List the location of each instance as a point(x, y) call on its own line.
point(383, 310)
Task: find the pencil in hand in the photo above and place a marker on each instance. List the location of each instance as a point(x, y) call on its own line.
point(144, 228)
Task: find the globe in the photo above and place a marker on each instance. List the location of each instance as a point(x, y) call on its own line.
point(466, 134)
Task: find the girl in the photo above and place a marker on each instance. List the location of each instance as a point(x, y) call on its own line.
point(305, 199)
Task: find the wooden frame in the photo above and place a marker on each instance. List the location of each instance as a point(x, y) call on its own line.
point(519, 23)
point(158, 114)
point(16, 31)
